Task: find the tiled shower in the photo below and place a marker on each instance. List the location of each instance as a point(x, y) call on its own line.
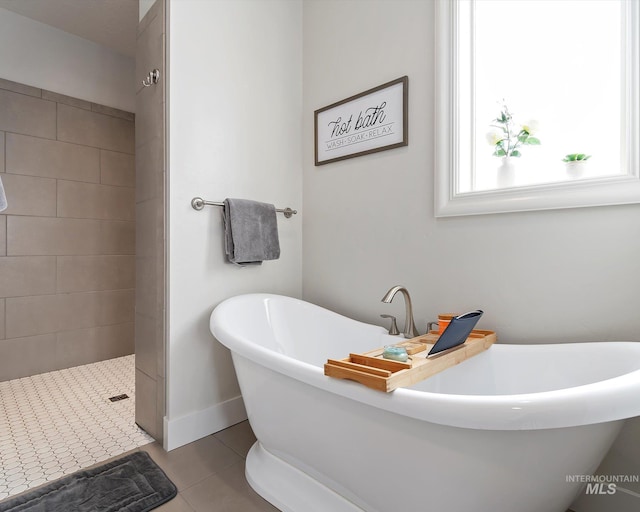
point(67, 285)
point(67, 239)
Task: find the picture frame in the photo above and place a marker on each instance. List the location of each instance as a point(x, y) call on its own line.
point(374, 120)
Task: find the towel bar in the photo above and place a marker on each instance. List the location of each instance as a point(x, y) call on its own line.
point(197, 203)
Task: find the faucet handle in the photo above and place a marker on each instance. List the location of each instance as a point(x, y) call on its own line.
point(393, 330)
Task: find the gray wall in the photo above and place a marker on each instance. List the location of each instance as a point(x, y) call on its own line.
point(43, 56)
point(150, 225)
point(67, 237)
point(548, 276)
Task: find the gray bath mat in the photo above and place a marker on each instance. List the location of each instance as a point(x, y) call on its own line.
point(133, 483)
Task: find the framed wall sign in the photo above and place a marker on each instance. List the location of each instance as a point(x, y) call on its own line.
point(375, 120)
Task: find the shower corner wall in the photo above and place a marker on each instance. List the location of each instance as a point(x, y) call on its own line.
point(150, 297)
point(67, 238)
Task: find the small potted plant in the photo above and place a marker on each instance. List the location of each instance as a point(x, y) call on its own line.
point(507, 138)
point(576, 164)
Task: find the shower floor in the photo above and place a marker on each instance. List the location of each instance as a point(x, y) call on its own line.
point(56, 423)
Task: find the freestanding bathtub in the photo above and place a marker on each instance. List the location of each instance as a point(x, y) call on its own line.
point(504, 431)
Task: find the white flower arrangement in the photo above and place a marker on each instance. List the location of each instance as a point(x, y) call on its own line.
point(506, 137)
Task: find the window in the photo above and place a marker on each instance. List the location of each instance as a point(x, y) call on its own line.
point(540, 82)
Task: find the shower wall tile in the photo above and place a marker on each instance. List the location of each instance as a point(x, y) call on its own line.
point(57, 236)
point(161, 410)
point(149, 170)
point(3, 235)
point(94, 129)
point(24, 356)
point(52, 236)
point(1, 320)
point(27, 356)
point(8, 85)
point(146, 287)
point(86, 273)
point(146, 403)
point(84, 346)
point(115, 112)
point(52, 159)
point(67, 241)
point(27, 275)
point(145, 332)
point(150, 45)
point(148, 214)
point(67, 100)
point(149, 123)
point(160, 343)
point(150, 222)
point(27, 195)
point(27, 115)
point(32, 355)
point(117, 237)
point(29, 316)
point(2, 139)
point(35, 315)
point(89, 201)
point(118, 169)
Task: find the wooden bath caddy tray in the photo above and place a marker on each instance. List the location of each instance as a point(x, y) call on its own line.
point(372, 370)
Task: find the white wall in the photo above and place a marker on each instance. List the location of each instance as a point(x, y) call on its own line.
point(235, 131)
point(564, 275)
point(42, 56)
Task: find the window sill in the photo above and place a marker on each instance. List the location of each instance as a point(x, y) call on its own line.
point(576, 193)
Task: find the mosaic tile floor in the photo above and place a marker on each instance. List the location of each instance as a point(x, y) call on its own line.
point(56, 423)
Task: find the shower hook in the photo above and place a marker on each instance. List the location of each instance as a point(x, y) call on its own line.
point(152, 78)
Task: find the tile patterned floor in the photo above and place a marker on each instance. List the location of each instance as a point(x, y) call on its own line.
point(209, 473)
point(56, 423)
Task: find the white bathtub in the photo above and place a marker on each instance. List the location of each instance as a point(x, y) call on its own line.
point(502, 431)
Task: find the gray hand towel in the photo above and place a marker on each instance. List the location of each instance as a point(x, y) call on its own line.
point(3, 197)
point(250, 231)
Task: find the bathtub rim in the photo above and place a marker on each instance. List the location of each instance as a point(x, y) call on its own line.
point(599, 402)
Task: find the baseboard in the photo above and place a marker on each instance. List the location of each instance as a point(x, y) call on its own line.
point(194, 426)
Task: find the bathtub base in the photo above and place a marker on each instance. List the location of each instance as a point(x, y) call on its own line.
point(288, 488)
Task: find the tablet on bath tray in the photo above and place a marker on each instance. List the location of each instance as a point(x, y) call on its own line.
point(456, 332)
